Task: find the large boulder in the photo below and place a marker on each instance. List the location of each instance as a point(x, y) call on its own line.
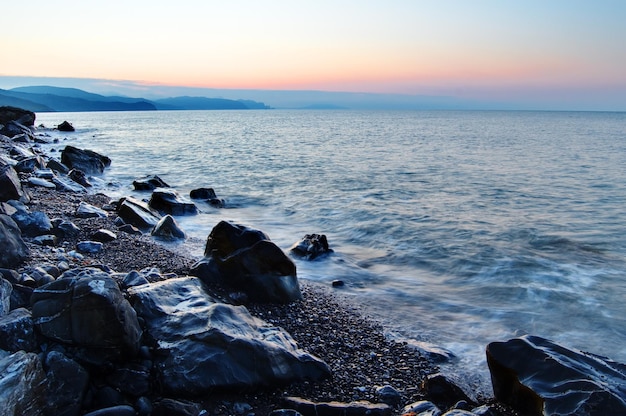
point(539, 377)
point(20, 115)
point(137, 213)
point(14, 251)
point(204, 345)
point(67, 384)
point(32, 224)
point(87, 161)
point(66, 126)
point(22, 384)
point(86, 308)
point(10, 186)
point(17, 331)
point(168, 201)
point(246, 260)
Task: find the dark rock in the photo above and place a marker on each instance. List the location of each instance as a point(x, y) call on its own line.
point(170, 202)
point(10, 186)
point(104, 236)
point(14, 250)
point(56, 165)
point(309, 408)
point(171, 407)
point(10, 275)
point(67, 384)
point(149, 183)
point(79, 177)
point(311, 247)
point(537, 376)
point(203, 193)
point(167, 228)
point(20, 152)
point(132, 379)
point(21, 138)
point(87, 161)
point(239, 351)
point(67, 185)
point(119, 410)
point(442, 391)
point(134, 278)
point(130, 229)
point(144, 407)
point(86, 210)
point(34, 181)
point(40, 276)
point(28, 165)
point(137, 213)
point(422, 408)
point(67, 229)
point(14, 128)
point(25, 117)
point(85, 307)
point(32, 224)
point(6, 289)
point(245, 260)
point(338, 283)
point(285, 412)
point(44, 173)
point(65, 126)
point(22, 384)
point(106, 397)
point(20, 297)
point(389, 395)
point(91, 247)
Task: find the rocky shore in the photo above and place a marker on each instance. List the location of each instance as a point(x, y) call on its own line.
point(97, 317)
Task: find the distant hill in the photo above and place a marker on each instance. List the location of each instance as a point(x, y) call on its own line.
point(48, 98)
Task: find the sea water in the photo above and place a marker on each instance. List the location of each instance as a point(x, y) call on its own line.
point(453, 229)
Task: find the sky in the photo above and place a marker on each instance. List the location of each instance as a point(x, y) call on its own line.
point(480, 49)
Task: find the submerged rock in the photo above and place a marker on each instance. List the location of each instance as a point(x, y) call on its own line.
point(138, 213)
point(311, 247)
point(65, 126)
point(170, 202)
point(167, 228)
point(149, 183)
point(537, 376)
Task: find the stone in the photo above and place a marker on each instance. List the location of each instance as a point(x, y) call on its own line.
point(32, 224)
point(34, 181)
point(244, 259)
point(307, 407)
point(207, 195)
point(10, 186)
point(421, 408)
point(170, 407)
point(67, 228)
point(134, 278)
point(65, 126)
point(389, 395)
point(14, 128)
point(67, 185)
point(119, 410)
point(132, 379)
point(442, 391)
point(168, 229)
point(87, 161)
point(149, 183)
point(104, 236)
point(9, 113)
point(130, 229)
point(56, 165)
point(79, 177)
point(537, 376)
point(44, 173)
point(67, 384)
point(311, 246)
point(239, 351)
point(86, 210)
point(168, 201)
point(6, 289)
point(86, 308)
point(89, 247)
point(29, 164)
point(137, 213)
point(14, 250)
point(22, 384)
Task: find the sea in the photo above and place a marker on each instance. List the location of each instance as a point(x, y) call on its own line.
point(452, 229)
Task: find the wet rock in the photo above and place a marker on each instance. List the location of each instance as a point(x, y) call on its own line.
point(14, 250)
point(311, 246)
point(119, 410)
point(87, 161)
point(32, 224)
point(309, 408)
point(67, 384)
point(86, 210)
point(15, 128)
point(170, 202)
point(9, 113)
point(168, 229)
point(207, 195)
point(338, 283)
point(246, 260)
point(90, 247)
point(238, 350)
point(132, 379)
point(22, 384)
point(66, 228)
point(6, 288)
point(537, 376)
point(79, 177)
point(44, 173)
point(442, 391)
point(56, 165)
point(421, 408)
point(10, 186)
point(169, 407)
point(130, 229)
point(67, 185)
point(149, 183)
point(85, 307)
point(389, 395)
point(104, 236)
point(137, 213)
point(29, 165)
point(34, 181)
point(65, 126)
point(134, 278)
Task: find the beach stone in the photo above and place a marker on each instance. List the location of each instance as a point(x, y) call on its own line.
point(149, 183)
point(104, 236)
point(246, 260)
point(87, 161)
point(20, 152)
point(442, 391)
point(67, 384)
point(29, 164)
point(239, 351)
point(6, 288)
point(86, 210)
point(311, 247)
point(22, 384)
point(14, 128)
point(79, 177)
point(537, 376)
point(66, 228)
point(137, 213)
point(119, 410)
point(35, 181)
point(132, 379)
point(17, 331)
point(86, 308)
point(44, 173)
point(56, 165)
point(207, 195)
point(307, 407)
point(67, 185)
point(10, 186)
point(130, 229)
point(9, 113)
point(65, 126)
point(14, 250)
point(89, 247)
point(169, 407)
point(32, 224)
point(422, 408)
point(167, 228)
point(389, 395)
point(170, 202)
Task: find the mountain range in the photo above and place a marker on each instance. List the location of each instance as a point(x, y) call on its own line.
point(49, 98)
